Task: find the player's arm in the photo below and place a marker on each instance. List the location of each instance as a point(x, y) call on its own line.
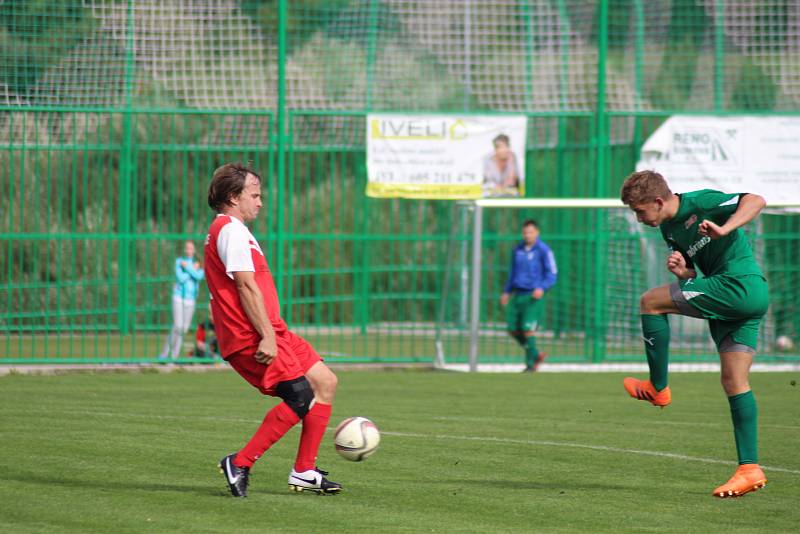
point(180, 271)
point(676, 264)
point(195, 271)
point(550, 269)
point(253, 303)
point(233, 247)
point(750, 205)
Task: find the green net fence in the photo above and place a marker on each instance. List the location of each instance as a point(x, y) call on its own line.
point(605, 260)
point(113, 114)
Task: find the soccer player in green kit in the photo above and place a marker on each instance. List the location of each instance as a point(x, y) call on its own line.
point(718, 280)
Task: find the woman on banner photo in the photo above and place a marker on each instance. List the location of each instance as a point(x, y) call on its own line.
point(501, 176)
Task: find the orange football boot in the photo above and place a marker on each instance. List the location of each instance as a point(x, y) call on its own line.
point(539, 359)
point(747, 478)
point(644, 390)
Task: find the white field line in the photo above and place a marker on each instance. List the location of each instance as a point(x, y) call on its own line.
point(567, 444)
point(617, 367)
point(653, 422)
point(480, 439)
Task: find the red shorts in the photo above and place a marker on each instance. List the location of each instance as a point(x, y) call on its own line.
point(295, 357)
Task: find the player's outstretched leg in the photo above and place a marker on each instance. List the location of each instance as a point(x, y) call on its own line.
point(744, 416)
point(236, 467)
point(305, 476)
point(655, 333)
point(236, 477)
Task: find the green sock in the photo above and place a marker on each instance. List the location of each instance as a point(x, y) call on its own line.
point(744, 413)
point(531, 352)
point(655, 330)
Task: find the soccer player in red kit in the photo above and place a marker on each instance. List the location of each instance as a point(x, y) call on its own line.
point(256, 342)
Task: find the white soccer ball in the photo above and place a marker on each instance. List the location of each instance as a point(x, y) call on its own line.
point(784, 343)
point(356, 438)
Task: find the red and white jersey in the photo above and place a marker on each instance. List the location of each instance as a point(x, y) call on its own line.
point(230, 248)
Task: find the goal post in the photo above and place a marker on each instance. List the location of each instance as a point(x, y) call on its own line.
point(488, 203)
point(606, 261)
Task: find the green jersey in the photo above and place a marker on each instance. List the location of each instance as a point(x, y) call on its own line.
point(730, 254)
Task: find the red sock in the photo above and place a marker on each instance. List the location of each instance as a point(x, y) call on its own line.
point(276, 423)
point(314, 424)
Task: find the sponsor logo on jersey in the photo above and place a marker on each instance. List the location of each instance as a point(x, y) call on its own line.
point(695, 248)
point(690, 221)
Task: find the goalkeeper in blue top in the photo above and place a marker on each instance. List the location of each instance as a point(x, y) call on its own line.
point(718, 279)
point(533, 272)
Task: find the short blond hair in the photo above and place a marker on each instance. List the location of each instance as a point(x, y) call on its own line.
point(644, 186)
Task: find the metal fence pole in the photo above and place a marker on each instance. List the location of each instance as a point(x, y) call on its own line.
point(719, 55)
point(602, 139)
point(125, 177)
point(467, 54)
point(281, 162)
point(475, 305)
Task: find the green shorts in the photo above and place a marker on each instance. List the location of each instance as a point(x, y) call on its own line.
point(733, 305)
point(523, 312)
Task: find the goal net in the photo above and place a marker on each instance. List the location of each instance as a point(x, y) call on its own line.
point(606, 260)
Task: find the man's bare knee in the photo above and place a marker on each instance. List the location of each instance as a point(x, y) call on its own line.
point(332, 382)
point(645, 302)
point(733, 385)
point(657, 300)
point(328, 383)
point(324, 381)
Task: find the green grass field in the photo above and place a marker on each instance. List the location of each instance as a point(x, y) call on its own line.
point(460, 453)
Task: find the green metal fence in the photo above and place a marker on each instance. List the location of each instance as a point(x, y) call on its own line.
point(113, 115)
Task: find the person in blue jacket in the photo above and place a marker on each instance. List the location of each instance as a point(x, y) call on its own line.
point(188, 274)
point(533, 273)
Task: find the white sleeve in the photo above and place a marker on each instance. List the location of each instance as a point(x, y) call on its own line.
point(233, 247)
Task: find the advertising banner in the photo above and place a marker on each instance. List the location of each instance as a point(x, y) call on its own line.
point(740, 154)
point(445, 156)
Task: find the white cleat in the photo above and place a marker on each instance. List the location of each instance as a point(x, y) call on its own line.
point(313, 480)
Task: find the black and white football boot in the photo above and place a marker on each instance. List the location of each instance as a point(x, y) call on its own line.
point(236, 477)
point(313, 480)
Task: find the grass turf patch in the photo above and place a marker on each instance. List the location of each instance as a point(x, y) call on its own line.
point(459, 453)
